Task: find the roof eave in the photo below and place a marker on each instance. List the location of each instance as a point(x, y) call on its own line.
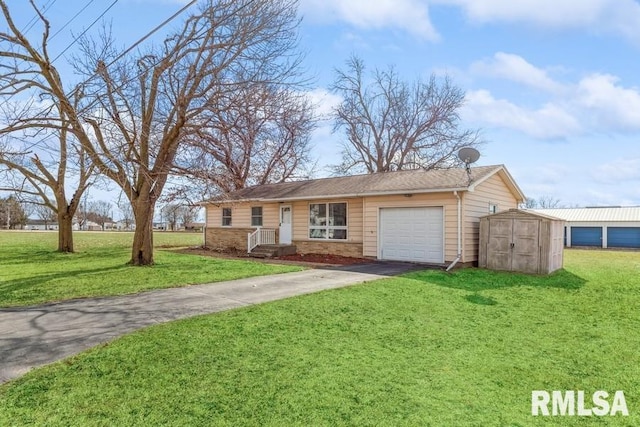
point(337, 196)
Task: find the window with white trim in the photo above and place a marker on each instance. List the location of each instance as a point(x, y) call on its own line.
point(328, 221)
point(256, 216)
point(226, 217)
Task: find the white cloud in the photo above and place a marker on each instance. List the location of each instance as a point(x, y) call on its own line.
point(594, 103)
point(608, 103)
point(515, 68)
point(407, 15)
point(323, 101)
point(613, 16)
point(621, 17)
point(548, 122)
point(617, 171)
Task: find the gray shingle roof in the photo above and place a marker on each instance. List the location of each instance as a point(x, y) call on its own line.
point(413, 181)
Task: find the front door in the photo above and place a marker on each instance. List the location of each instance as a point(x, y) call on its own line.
point(285, 224)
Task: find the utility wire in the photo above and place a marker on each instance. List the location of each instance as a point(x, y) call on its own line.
point(85, 30)
point(71, 20)
point(33, 20)
point(129, 49)
point(133, 46)
point(150, 33)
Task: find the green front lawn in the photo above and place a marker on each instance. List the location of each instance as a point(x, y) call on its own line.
point(31, 272)
point(429, 348)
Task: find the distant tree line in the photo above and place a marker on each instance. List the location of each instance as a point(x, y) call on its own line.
point(543, 202)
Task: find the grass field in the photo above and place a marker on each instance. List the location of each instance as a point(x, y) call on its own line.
point(429, 348)
point(31, 272)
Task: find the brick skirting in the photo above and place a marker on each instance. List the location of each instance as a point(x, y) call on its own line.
point(226, 238)
point(328, 247)
point(223, 238)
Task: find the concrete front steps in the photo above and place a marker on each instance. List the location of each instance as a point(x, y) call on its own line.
point(269, 251)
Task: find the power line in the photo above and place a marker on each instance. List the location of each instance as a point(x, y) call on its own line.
point(133, 46)
point(72, 19)
point(85, 30)
point(130, 48)
point(150, 33)
point(37, 16)
point(33, 20)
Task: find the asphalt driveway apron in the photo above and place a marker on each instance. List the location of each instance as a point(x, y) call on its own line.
point(35, 336)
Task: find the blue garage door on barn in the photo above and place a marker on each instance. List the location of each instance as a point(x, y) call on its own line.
point(623, 237)
point(586, 236)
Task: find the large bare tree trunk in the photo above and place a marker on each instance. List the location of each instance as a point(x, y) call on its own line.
point(133, 114)
point(65, 231)
point(142, 250)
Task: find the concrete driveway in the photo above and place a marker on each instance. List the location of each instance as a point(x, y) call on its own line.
point(35, 336)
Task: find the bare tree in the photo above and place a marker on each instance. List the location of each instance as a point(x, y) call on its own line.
point(46, 214)
point(132, 115)
point(543, 202)
point(258, 134)
point(28, 208)
point(43, 178)
point(177, 215)
point(99, 212)
point(126, 213)
point(393, 125)
point(188, 215)
point(548, 202)
point(171, 214)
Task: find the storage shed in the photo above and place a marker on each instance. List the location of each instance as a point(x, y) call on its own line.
point(523, 241)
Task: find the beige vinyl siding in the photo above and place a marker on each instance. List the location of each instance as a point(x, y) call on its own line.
point(493, 191)
point(270, 214)
point(354, 219)
point(241, 214)
point(445, 200)
point(214, 216)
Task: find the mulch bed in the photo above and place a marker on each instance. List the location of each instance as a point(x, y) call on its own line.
point(297, 258)
point(324, 259)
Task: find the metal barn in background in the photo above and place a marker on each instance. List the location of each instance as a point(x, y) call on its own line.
point(600, 227)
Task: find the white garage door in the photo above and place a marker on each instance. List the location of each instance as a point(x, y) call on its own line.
point(412, 234)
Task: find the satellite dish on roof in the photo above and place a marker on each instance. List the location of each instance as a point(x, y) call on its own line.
point(468, 155)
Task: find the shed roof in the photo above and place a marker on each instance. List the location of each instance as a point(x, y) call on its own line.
point(528, 213)
point(595, 214)
point(400, 182)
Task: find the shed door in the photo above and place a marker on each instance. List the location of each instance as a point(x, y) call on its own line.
point(499, 250)
point(623, 237)
point(526, 245)
point(514, 245)
point(412, 234)
point(586, 236)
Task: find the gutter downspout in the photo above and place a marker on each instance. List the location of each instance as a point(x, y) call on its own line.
point(459, 257)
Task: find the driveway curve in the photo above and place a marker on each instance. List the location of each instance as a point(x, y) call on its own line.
point(35, 336)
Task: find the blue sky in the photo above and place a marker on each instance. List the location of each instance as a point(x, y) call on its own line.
point(554, 86)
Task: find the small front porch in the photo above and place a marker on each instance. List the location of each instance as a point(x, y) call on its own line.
point(261, 243)
point(271, 251)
